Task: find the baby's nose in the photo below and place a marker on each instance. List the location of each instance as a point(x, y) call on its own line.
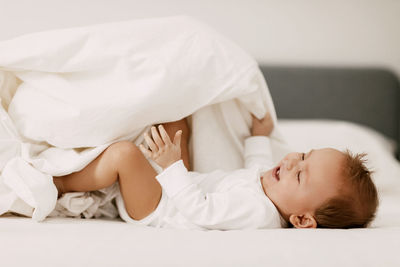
point(287, 165)
point(290, 163)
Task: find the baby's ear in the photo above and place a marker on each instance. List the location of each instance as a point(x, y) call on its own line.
point(303, 221)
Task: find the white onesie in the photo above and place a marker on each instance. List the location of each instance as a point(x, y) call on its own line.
point(216, 200)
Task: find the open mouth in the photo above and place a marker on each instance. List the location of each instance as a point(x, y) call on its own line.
point(276, 172)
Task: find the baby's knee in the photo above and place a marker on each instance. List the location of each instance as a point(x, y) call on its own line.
point(123, 150)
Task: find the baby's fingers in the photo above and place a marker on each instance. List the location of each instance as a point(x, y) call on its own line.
point(255, 119)
point(146, 152)
point(150, 142)
point(164, 135)
point(267, 116)
point(156, 137)
point(177, 138)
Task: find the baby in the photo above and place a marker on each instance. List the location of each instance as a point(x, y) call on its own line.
point(320, 188)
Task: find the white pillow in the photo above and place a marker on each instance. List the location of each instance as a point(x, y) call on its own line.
point(306, 134)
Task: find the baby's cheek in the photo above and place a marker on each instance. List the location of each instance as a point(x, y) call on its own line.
point(286, 189)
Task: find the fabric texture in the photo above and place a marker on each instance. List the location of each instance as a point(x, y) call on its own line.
point(68, 94)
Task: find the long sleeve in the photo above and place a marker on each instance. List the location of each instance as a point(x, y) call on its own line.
point(257, 152)
point(237, 208)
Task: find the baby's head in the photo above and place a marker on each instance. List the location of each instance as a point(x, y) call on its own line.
point(323, 188)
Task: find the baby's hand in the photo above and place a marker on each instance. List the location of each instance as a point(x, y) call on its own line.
point(263, 126)
point(163, 151)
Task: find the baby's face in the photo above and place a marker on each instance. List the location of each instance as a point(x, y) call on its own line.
point(303, 181)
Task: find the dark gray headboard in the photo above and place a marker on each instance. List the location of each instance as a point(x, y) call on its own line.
point(363, 95)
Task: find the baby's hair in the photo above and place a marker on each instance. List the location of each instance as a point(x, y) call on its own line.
point(356, 204)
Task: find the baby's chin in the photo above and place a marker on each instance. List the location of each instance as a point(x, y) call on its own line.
point(266, 179)
point(267, 174)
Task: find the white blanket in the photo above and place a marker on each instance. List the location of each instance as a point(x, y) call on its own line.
point(68, 94)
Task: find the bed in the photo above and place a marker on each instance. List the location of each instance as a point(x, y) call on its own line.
point(356, 108)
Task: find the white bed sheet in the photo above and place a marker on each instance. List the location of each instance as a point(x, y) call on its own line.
point(99, 242)
point(95, 242)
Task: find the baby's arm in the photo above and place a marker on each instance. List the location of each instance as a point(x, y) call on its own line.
point(234, 209)
point(237, 208)
point(257, 148)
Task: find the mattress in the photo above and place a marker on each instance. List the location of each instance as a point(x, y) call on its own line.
point(101, 242)
point(79, 242)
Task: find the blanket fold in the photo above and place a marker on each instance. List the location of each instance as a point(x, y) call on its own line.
point(68, 94)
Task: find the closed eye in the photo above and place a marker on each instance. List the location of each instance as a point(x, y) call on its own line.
point(298, 174)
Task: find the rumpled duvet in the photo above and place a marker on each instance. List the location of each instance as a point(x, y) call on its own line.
point(67, 94)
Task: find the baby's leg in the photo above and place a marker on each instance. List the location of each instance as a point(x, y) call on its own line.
point(122, 161)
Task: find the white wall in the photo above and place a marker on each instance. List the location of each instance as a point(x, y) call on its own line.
point(303, 32)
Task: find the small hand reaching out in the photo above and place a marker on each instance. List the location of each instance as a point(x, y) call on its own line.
point(162, 150)
point(263, 126)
